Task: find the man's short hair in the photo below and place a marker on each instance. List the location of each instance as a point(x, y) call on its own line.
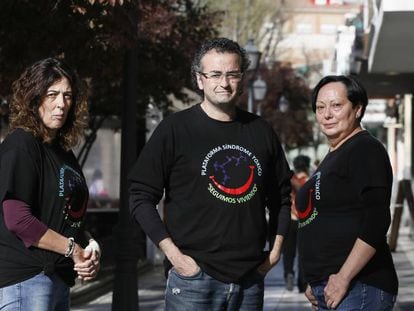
point(221, 45)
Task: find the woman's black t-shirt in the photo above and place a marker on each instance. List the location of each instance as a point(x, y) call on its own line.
point(50, 181)
point(347, 198)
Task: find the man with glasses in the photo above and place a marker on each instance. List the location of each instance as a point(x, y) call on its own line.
point(221, 168)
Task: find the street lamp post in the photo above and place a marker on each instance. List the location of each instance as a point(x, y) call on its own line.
point(259, 92)
point(283, 104)
point(283, 108)
point(253, 54)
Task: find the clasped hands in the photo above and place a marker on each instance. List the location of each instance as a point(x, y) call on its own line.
point(86, 261)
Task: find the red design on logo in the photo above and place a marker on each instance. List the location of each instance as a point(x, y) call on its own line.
point(304, 214)
point(77, 214)
point(239, 190)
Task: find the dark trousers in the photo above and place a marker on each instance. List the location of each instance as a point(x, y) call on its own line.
point(289, 254)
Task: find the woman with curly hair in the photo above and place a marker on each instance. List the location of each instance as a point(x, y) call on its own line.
point(43, 192)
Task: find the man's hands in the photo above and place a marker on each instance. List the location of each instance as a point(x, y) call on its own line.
point(269, 263)
point(273, 258)
point(183, 264)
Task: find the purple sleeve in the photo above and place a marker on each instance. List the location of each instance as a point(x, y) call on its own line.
point(19, 220)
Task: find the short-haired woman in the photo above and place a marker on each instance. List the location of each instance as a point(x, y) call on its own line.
point(344, 210)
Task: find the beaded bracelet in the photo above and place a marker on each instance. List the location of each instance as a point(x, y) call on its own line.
point(71, 247)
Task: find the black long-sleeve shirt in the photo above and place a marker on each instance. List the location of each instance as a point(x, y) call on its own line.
point(218, 179)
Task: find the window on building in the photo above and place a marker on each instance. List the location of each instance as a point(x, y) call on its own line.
point(102, 170)
point(328, 2)
point(304, 28)
point(328, 29)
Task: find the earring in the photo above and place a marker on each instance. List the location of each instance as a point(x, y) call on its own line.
point(357, 116)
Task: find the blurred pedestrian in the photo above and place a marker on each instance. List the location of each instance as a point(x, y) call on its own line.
point(301, 165)
point(344, 209)
point(97, 188)
point(220, 168)
point(43, 192)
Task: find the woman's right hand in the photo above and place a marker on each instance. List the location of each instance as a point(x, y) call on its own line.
point(311, 297)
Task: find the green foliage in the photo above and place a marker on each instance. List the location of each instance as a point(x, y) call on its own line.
point(93, 37)
point(264, 22)
point(246, 19)
point(292, 126)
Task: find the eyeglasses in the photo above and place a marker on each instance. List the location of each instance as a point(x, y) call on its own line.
point(217, 76)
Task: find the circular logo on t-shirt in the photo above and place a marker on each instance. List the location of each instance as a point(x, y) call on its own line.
point(73, 191)
point(231, 170)
point(306, 200)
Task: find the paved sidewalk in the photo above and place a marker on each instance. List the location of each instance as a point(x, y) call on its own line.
point(404, 263)
point(277, 298)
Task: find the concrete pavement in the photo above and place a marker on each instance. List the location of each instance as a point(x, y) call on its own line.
point(404, 262)
point(151, 286)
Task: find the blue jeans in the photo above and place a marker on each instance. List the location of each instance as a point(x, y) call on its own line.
point(202, 292)
point(360, 296)
point(40, 293)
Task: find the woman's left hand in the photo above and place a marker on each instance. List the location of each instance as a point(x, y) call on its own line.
point(311, 297)
point(335, 290)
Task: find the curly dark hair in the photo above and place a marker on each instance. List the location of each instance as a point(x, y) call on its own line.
point(221, 45)
point(29, 91)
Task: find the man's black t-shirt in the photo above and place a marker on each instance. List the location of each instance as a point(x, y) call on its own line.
point(51, 182)
point(218, 178)
point(347, 198)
